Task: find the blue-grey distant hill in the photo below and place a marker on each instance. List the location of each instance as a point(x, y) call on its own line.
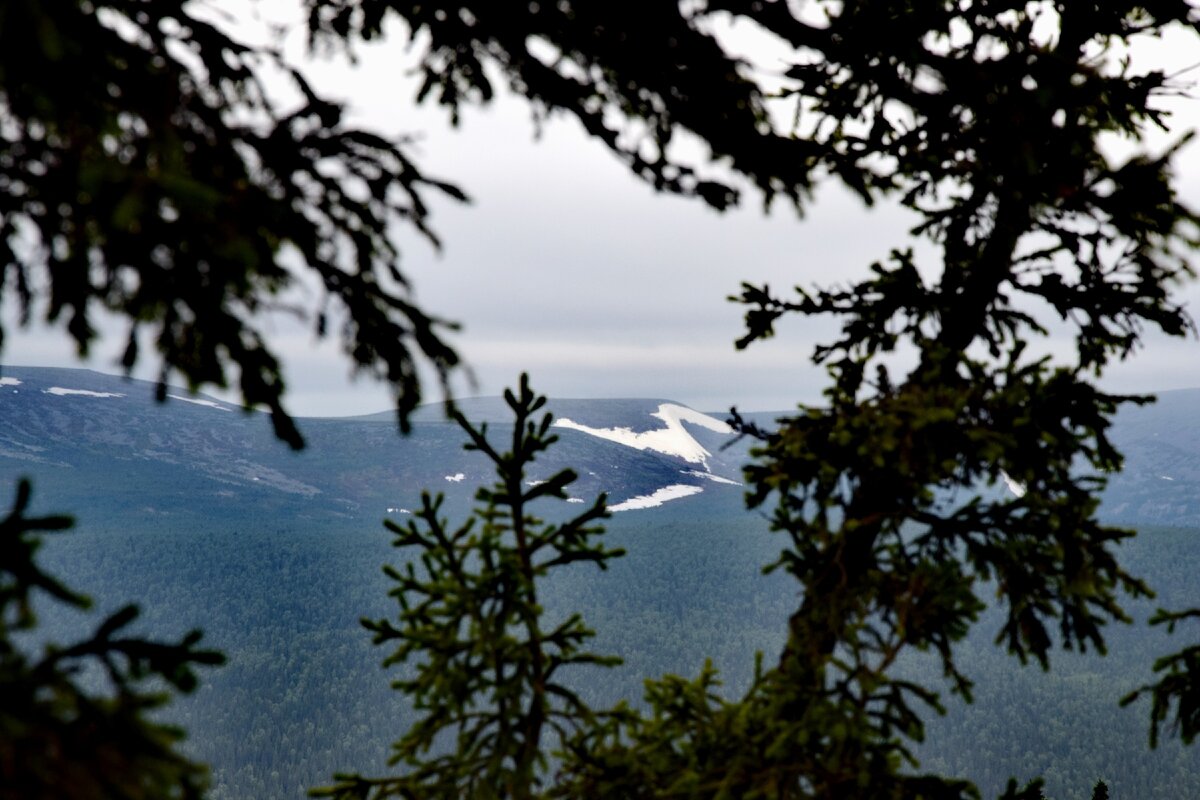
point(1160, 482)
point(102, 444)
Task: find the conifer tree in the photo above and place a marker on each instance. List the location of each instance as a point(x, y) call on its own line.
point(986, 121)
point(1100, 791)
point(147, 171)
point(489, 677)
point(63, 734)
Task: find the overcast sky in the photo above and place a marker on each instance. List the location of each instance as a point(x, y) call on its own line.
point(568, 267)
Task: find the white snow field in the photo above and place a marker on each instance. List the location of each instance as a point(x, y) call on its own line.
point(199, 402)
point(663, 495)
point(1013, 486)
point(61, 392)
point(672, 440)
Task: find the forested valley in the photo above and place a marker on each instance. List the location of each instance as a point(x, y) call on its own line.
point(303, 694)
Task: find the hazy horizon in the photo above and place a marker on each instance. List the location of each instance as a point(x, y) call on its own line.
point(567, 267)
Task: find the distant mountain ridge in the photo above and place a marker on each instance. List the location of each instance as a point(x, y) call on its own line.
point(86, 433)
point(89, 435)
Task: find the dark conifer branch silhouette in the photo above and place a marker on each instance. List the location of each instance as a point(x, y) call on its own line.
point(60, 735)
point(487, 679)
point(146, 170)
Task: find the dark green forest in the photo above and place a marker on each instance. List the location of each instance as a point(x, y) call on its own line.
point(303, 694)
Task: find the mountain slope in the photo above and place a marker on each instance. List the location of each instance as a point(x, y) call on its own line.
point(104, 442)
point(1160, 481)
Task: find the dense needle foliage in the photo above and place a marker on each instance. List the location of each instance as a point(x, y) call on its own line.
point(985, 119)
point(146, 170)
point(487, 683)
point(75, 719)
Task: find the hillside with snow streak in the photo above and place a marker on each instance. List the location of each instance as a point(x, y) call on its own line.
point(105, 440)
point(672, 440)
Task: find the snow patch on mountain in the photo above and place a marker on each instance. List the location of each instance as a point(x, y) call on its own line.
point(61, 392)
point(199, 402)
point(663, 495)
point(9, 382)
point(456, 477)
point(709, 476)
point(672, 440)
point(1015, 487)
